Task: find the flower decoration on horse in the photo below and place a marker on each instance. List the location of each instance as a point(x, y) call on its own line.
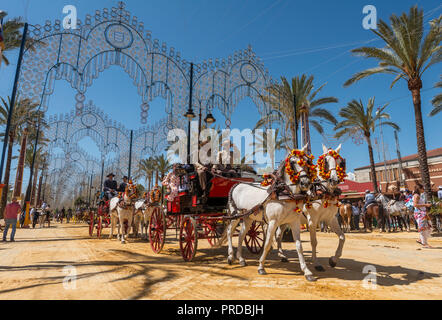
point(325, 172)
point(305, 161)
point(155, 195)
point(131, 190)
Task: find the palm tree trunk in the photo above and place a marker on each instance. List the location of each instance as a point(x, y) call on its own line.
point(293, 130)
point(34, 185)
point(40, 184)
point(372, 165)
point(4, 199)
point(307, 133)
point(21, 164)
point(415, 87)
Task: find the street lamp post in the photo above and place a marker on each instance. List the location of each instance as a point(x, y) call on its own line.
point(13, 97)
point(130, 153)
point(190, 115)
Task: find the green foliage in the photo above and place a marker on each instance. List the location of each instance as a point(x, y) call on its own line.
point(407, 54)
point(281, 100)
point(358, 118)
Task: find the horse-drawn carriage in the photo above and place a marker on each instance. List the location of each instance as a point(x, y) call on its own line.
point(194, 219)
point(99, 218)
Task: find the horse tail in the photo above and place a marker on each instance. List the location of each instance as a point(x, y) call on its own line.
point(232, 202)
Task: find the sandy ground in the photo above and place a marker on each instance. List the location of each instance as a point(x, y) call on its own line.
point(36, 267)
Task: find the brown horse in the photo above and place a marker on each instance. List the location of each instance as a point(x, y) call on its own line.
point(346, 213)
point(374, 211)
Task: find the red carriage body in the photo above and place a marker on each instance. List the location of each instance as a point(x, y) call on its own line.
point(194, 221)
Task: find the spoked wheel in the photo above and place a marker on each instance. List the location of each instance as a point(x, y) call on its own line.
point(91, 224)
point(157, 230)
point(188, 239)
point(170, 221)
point(211, 233)
point(99, 226)
point(255, 238)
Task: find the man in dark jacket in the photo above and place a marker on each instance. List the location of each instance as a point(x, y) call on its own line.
point(123, 185)
point(110, 186)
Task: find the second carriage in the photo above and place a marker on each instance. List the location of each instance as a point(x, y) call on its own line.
point(193, 219)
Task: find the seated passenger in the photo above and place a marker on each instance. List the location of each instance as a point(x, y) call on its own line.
point(110, 186)
point(172, 181)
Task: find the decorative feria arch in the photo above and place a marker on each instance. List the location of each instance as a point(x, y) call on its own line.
point(67, 130)
point(115, 37)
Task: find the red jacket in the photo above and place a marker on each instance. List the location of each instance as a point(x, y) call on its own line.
point(12, 210)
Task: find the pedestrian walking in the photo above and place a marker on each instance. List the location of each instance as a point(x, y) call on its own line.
point(421, 216)
point(11, 213)
point(356, 215)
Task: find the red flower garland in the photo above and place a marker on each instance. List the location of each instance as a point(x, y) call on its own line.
point(340, 171)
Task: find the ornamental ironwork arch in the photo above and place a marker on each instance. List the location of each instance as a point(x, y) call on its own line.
point(115, 37)
point(65, 131)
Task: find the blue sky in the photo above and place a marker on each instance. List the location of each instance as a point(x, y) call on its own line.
point(292, 37)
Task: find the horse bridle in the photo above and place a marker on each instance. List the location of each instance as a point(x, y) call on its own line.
point(301, 176)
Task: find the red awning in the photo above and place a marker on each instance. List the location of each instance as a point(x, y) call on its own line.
point(353, 187)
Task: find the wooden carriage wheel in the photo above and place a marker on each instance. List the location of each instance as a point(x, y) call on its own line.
point(211, 232)
point(255, 238)
point(99, 226)
point(170, 221)
point(188, 239)
point(91, 223)
point(157, 230)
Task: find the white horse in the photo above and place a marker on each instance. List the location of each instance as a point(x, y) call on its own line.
point(138, 217)
point(245, 197)
point(123, 213)
point(323, 210)
point(396, 209)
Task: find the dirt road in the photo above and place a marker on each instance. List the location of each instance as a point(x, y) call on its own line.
point(36, 267)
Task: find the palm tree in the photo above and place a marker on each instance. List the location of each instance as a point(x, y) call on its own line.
point(13, 36)
point(282, 100)
point(40, 158)
point(280, 144)
point(146, 169)
point(358, 119)
point(437, 101)
point(407, 55)
point(25, 114)
point(163, 166)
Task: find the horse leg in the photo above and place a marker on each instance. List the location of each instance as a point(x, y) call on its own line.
point(112, 227)
point(247, 222)
point(335, 228)
point(271, 230)
point(230, 230)
point(314, 243)
point(279, 234)
point(296, 231)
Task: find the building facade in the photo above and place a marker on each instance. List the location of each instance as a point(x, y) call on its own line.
point(389, 174)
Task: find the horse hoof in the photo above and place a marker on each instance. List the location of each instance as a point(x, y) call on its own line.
point(230, 261)
point(262, 272)
point(243, 263)
point(331, 263)
point(284, 259)
point(310, 278)
point(319, 268)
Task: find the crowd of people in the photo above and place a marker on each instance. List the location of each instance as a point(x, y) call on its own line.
point(418, 202)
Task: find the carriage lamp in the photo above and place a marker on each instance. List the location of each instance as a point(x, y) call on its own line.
point(210, 119)
point(190, 115)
